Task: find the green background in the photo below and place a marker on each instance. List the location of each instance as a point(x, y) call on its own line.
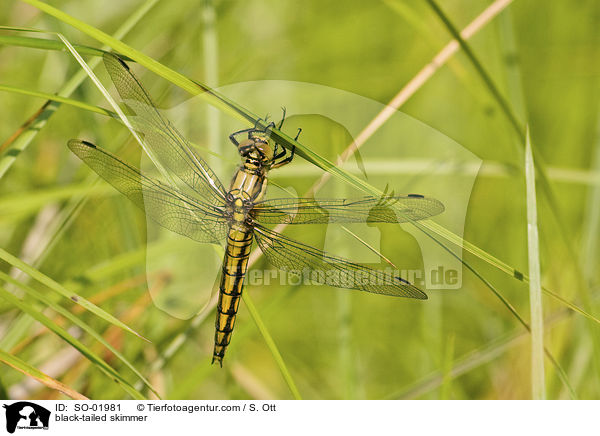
point(465, 344)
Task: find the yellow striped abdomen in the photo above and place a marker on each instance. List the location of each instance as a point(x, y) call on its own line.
point(247, 186)
point(235, 263)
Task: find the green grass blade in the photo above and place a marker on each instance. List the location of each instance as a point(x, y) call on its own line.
point(30, 371)
point(117, 109)
point(591, 231)
point(58, 99)
point(58, 288)
point(31, 201)
point(447, 368)
point(502, 102)
point(535, 287)
point(497, 263)
point(85, 351)
point(45, 44)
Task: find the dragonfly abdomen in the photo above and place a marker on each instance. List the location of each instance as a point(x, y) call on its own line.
point(235, 264)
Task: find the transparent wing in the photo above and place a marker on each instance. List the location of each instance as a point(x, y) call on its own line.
point(167, 206)
point(295, 257)
point(161, 137)
point(411, 207)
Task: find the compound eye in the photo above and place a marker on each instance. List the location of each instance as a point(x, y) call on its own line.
point(266, 150)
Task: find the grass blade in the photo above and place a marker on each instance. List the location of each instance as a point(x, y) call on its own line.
point(502, 102)
point(535, 288)
point(45, 379)
point(58, 99)
point(447, 368)
point(271, 344)
point(44, 44)
point(31, 201)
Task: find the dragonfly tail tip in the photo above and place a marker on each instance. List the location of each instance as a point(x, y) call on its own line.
point(217, 359)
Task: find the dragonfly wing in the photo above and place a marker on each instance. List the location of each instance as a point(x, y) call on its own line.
point(397, 209)
point(160, 136)
point(167, 206)
point(301, 259)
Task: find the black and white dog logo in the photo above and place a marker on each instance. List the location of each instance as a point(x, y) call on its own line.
point(26, 415)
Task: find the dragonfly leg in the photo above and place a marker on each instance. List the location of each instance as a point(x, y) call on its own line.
point(288, 159)
point(233, 139)
point(249, 131)
point(269, 127)
point(280, 154)
point(282, 119)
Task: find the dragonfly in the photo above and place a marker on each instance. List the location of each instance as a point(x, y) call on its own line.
point(199, 206)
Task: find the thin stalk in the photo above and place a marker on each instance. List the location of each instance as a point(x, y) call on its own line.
point(591, 236)
point(271, 344)
point(447, 367)
point(502, 102)
point(30, 371)
point(211, 78)
point(57, 98)
point(538, 387)
point(46, 44)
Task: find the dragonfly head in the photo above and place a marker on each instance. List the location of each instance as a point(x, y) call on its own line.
point(257, 149)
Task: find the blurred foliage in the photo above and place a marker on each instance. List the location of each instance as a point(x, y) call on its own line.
point(543, 56)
